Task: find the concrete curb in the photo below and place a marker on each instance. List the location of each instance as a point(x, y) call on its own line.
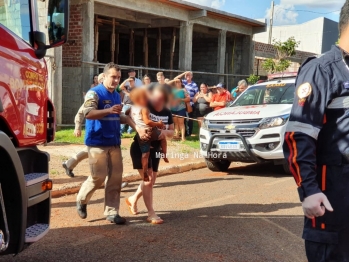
point(73, 188)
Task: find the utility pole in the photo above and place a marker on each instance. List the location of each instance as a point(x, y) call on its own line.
point(271, 22)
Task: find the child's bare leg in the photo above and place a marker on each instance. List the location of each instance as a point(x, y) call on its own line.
point(145, 158)
point(164, 149)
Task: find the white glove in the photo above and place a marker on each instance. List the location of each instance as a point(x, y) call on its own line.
point(312, 205)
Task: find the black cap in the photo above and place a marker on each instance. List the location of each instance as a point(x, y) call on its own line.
point(131, 70)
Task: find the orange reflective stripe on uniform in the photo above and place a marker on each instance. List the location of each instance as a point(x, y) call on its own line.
point(323, 178)
point(323, 226)
point(294, 158)
point(290, 157)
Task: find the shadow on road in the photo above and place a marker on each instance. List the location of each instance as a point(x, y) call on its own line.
point(265, 170)
point(232, 232)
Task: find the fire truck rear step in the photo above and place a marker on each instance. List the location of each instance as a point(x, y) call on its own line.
point(34, 178)
point(36, 232)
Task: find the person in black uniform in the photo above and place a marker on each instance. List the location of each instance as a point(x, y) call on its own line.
point(317, 149)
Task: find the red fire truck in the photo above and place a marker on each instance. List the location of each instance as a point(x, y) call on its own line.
point(27, 119)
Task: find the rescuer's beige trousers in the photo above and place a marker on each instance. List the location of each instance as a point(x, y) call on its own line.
point(75, 160)
point(105, 165)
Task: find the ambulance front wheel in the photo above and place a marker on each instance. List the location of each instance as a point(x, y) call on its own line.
point(218, 166)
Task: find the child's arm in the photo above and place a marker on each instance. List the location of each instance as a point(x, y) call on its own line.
point(148, 122)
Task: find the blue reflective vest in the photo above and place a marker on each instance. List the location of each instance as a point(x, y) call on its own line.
point(104, 131)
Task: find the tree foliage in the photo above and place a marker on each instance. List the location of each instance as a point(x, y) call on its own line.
point(252, 79)
point(284, 50)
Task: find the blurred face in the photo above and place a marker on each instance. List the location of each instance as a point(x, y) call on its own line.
point(95, 79)
point(158, 99)
point(142, 101)
point(146, 80)
point(242, 88)
point(220, 90)
point(132, 74)
point(111, 79)
point(203, 89)
point(132, 83)
point(161, 79)
point(178, 84)
point(189, 77)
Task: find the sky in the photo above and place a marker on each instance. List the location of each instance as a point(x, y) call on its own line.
point(286, 12)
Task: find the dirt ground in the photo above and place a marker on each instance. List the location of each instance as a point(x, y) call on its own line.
point(250, 213)
point(60, 152)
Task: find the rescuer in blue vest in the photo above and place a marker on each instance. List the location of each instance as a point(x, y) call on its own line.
point(102, 109)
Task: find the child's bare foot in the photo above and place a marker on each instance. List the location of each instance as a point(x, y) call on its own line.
point(166, 160)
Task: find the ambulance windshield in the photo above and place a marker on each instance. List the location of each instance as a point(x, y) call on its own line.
point(277, 93)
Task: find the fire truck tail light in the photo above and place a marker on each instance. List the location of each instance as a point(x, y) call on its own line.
point(46, 185)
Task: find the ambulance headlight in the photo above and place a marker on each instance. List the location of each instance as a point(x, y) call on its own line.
point(204, 124)
point(273, 121)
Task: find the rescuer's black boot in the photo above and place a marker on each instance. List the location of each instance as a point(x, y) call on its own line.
point(67, 170)
point(82, 210)
point(117, 219)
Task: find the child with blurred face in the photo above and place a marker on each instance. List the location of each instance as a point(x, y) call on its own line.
point(141, 116)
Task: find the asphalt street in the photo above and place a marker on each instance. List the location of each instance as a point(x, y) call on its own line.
point(251, 213)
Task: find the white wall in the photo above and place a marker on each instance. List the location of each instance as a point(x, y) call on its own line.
point(310, 35)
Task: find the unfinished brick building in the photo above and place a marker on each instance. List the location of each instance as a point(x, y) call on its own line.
point(168, 34)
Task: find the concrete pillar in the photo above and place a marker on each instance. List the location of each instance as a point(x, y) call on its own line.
point(185, 46)
point(87, 12)
point(221, 54)
point(55, 70)
point(247, 55)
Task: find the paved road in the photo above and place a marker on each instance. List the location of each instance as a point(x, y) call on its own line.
point(249, 214)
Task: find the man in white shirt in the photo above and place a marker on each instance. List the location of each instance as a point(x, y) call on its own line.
point(132, 73)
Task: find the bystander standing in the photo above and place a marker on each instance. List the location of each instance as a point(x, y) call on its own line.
point(220, 99)
point(202, 102)
point(146, 80)
point(192, 90)
point(132, 74)
point(126, 100)
point(242, 86)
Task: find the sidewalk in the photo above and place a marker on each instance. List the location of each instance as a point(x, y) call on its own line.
point(64, 185)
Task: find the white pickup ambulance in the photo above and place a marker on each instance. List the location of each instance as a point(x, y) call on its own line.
point(252, 128)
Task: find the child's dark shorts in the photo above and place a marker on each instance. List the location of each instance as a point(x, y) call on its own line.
point(145, 145)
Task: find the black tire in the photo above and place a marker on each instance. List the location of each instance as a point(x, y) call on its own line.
point(286, 168)
point(217, 166)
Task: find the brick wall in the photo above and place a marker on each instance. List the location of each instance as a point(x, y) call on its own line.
point(72, 51)
point(270, 51)
point(263, 51)
point(204, 58)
